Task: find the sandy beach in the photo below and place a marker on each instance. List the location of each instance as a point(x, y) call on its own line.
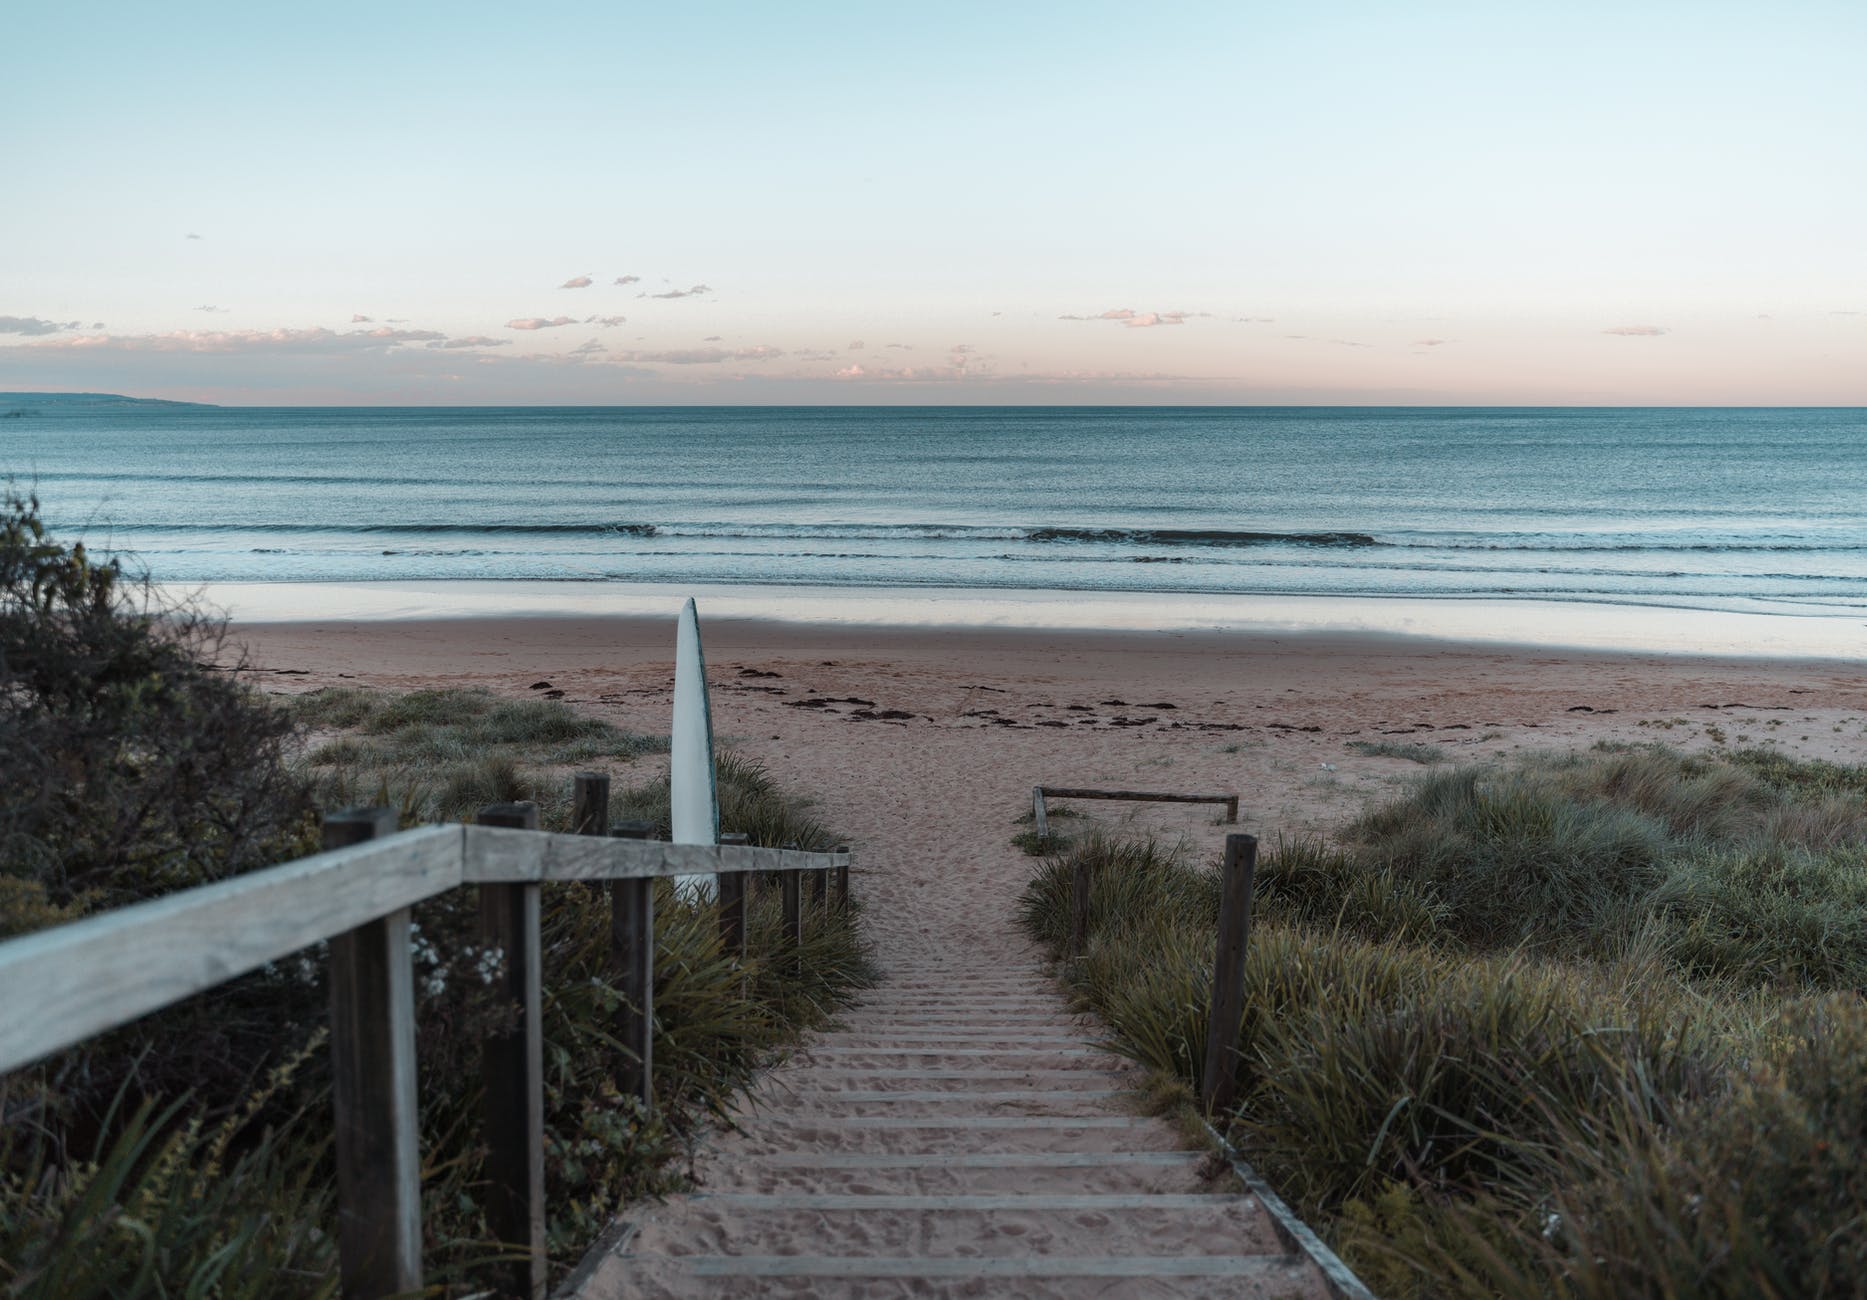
point(922, 744)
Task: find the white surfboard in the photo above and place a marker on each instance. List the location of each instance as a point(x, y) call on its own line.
point(693, 792)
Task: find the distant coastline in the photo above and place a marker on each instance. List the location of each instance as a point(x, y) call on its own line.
point(17, 405)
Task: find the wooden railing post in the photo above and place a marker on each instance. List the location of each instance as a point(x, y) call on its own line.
point(589, 803)
point(1228, 973)
point(842, 880)
point(731, 893)
point(373, 1089)
point(794, 912)
point(513, 1069)
point(1040, 816)
point(1079, 905)
point(632, 960)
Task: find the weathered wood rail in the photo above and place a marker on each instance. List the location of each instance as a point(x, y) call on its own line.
point(1041, 816)
point(70, 983)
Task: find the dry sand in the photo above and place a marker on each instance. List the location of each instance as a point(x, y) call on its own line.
point(922, 747)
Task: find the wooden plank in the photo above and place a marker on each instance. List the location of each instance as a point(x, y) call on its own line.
point(589, 804)
point(1220, 1084)
point(793, 931)
point(950, 1202)
point(1079, 905)
point(377, 1127)
point(731, 889)
point(632, 964)
point(513, 1070)
point(958, 1094)
point(1233, 1268)
point(1040, 817)
point(975, 1160)
point(1141, 796)
point(956, 1051)
point(1338, 1277)
point(1061, 1122)
point(104, 971)
point(494, 854)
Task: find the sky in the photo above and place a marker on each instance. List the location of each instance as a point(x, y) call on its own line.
point(574, 203)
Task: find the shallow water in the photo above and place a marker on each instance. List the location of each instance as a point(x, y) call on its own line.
point(1752, 509)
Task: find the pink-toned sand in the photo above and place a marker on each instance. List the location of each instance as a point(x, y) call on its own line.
point(930, 801)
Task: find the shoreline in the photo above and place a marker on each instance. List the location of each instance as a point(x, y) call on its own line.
point(1521, 625)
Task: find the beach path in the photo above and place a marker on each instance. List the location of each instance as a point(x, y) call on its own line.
point(959, 1132)
point(921, 747)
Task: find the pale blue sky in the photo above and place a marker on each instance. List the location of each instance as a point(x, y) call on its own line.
point(1316, 203)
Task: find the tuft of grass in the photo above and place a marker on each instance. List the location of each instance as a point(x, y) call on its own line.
point(177, 1203)
point(1415, 752)
point(1656, 1094)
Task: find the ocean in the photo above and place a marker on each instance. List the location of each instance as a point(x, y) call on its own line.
point(1754, 510)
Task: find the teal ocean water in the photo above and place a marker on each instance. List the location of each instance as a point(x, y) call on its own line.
point(1752, 509)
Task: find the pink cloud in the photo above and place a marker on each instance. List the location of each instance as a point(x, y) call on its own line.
point(476, 341)
point(705, 356)
point(607, 322)
point(538, 323)
point(576, 282)
point(627, 279)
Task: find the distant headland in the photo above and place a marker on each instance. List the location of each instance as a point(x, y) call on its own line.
point(16, 406)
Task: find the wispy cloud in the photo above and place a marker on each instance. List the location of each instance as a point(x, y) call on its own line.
point(1340, 343)
point(1430, 343)
point(538, 323)
point(587, 348)
point(476, 341)
point(627, 279)
point(607, 322)
point(1638, 331)
point(358, 318)
point(577, 282)
point(191, 235)
point(210, 307)
point(680, 293)
point(704, 356)
point(904, 347)
point(856, 346)
point(317, 340)
point(34, 325)
point(711, 338)
point(1133, 319)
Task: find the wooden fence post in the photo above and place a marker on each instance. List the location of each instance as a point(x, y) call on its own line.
point(1079, 906)
point(793, 932)
point(373, 1089)
point(732, 895)
point(1040, 816)
point(513, 1069)
point(632, 959)
point(589, 803)
point(1228, 973)
point(1231, 809)
point(842, 879)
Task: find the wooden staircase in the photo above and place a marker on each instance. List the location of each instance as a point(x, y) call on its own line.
point(959, 1134)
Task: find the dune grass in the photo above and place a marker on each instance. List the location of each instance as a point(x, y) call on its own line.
point(230, 1193)
point(1586, 1026)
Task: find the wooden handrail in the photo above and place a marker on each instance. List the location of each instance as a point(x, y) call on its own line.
point(75, 981)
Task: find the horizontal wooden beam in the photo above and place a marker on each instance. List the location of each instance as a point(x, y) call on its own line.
point(1146, 796)
point(498, 856)
point(68, 983)
point(1140, 796)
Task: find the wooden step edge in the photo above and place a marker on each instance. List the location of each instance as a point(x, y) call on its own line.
point(949, 1202)
point(943, 1268)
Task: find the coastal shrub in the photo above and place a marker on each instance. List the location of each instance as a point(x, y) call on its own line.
point(1572, 1118)
point(258, 1201)
point(135, 764)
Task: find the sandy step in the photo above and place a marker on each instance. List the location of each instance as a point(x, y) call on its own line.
point(1046, 1172)
point(1060, 1103)
point(825, 1078)
point(939, 1134)
point(1010, 1053)
point(957, 1226)
point(830, 1278)
point(958, 1037)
